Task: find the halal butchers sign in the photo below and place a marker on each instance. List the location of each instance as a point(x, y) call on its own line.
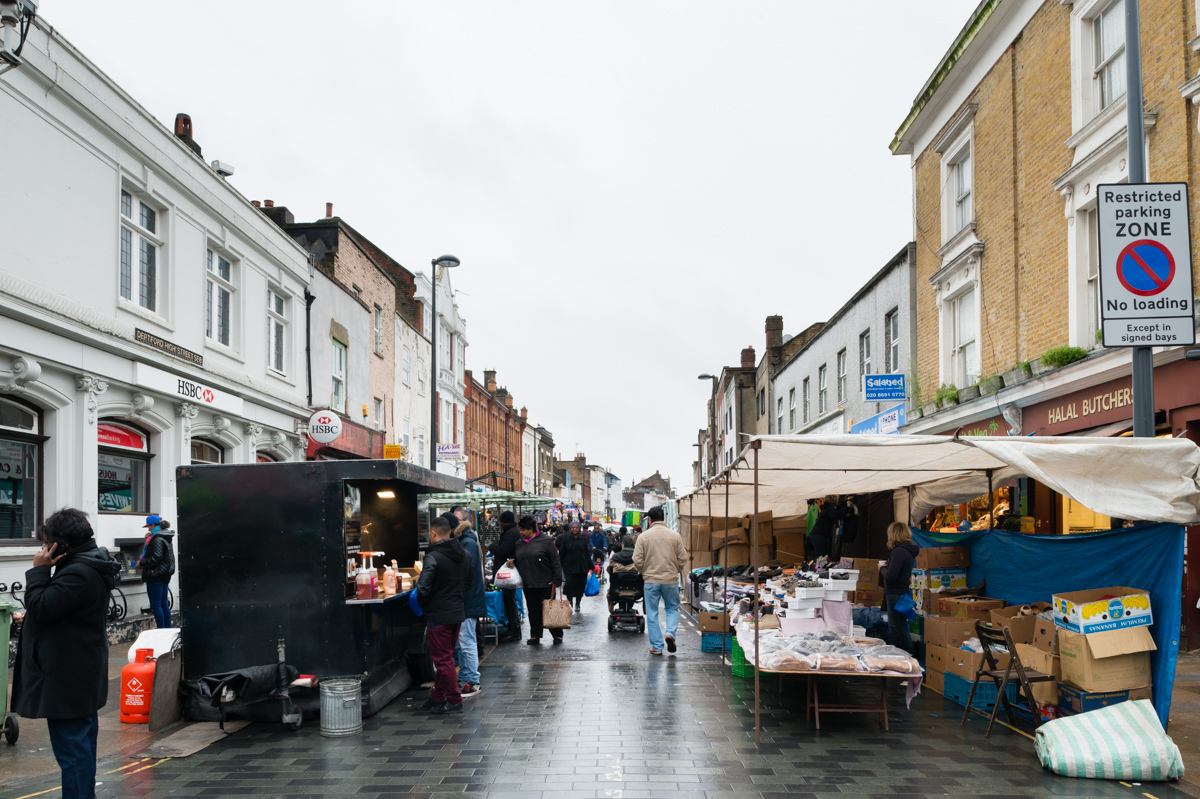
point(1146, 291)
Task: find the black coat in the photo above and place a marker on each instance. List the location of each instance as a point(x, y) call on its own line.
point(504, 548)
point(537, 561)
point(897, 574)
point(62, 654)
point(158, 564)
point(828, 518)
point(446, 574)
point(576, 555)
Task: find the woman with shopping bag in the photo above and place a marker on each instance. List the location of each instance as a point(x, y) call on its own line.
point(897, 583)
point(536, 558)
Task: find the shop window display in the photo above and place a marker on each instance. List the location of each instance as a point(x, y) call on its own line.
point(123, 468)
point(20, 461)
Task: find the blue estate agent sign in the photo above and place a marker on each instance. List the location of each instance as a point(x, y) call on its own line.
point(890, 421)
point(881, 388)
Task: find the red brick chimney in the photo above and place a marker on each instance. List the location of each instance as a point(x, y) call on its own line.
point(328, 210)
point(748, 358)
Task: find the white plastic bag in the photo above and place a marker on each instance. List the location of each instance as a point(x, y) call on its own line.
point(508, 577)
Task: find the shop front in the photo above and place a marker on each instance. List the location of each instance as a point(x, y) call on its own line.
point(356, 441)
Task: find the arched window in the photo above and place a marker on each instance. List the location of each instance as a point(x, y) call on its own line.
point(265, 457)
point(206, 452)
point(123, 467)
point(20, 469)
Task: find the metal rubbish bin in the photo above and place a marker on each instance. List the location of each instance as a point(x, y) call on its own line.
point(7, 608)
point(341, 707)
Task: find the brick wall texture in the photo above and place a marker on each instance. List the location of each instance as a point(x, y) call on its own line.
point(1021, 126)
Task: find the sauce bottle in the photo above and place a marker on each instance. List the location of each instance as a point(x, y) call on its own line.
point(362, 584)
point(389, 582)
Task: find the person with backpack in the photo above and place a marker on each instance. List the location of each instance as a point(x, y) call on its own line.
point(158, 567)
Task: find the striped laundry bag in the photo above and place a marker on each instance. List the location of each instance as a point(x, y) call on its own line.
point(1125, 741)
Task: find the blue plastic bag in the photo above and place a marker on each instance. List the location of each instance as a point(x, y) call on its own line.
point(906, 607)
point(592, 587)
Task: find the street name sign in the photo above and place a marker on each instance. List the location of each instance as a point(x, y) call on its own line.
point(1145, 255)
point(881, 388)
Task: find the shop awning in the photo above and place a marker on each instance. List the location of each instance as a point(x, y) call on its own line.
point(476, 500)
point(1130, 478)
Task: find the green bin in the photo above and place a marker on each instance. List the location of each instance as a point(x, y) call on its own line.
point(7, 608)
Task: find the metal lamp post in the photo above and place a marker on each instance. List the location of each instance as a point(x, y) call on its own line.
point(712, 424)
point(439, 263)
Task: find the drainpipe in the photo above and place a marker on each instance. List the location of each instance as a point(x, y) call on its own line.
point(308, 301)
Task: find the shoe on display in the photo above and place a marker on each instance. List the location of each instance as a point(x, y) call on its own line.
point(671, 643)
point(470, 689)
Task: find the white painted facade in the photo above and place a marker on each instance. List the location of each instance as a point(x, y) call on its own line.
point(529, 454)
point(338, 319)
point(452, 350)
point(74, 351)
point(411, 395)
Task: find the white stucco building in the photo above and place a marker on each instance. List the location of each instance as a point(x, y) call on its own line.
point(150, 316)
point(411, 396)
point(529, 458)
point(452, 350)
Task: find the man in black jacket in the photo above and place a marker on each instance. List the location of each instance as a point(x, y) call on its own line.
point(504, 549)
point(66, 610)
point(445, 578)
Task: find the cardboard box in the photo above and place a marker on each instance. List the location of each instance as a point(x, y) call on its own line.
point(965, 664)
point(1044, 693)
point(868, 568)
point(1073, 701)
point(809, 593)
point(935, 657)
point(791, 523)
point(948, 632)
point(935, 680)
point(789, 548)
point(701, 560)
point(968, 607)
point(944, 578)
point(713, 622)
point(763, 516)
point(721, 522)
point(944, 558)
point(1020, 627)
point(1108, 661)
point(1045, 636)
point(770, 622)
point(701, 538)
point(1090, 612)
point(872, 598)
point(718, 538)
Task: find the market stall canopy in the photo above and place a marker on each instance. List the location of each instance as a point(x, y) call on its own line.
point(477, 500)
point(1152, 479)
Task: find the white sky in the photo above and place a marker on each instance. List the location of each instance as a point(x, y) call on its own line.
point(631, 187)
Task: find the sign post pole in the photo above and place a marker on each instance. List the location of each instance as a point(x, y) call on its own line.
point(1143, 357)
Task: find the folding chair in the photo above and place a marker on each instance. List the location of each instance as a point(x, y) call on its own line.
point(990, 637)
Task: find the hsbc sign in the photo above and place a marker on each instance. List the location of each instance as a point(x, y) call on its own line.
point(186, 389)
point(324, 426)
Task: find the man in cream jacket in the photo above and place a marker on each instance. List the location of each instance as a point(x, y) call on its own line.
point(660, 557)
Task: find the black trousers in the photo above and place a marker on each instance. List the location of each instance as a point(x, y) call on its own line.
point(818, 545)
point(509, 597)
point(533, 606)
point(573, 587)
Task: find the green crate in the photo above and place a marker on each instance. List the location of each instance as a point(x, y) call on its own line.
point(740, 667)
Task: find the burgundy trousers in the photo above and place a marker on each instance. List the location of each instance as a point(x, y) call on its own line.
point(443, 638)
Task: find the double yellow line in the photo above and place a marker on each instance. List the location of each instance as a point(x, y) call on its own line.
point(144, 760)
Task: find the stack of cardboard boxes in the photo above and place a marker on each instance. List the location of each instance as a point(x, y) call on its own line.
point(706, 543)
point(789, 532)
point(935, 569)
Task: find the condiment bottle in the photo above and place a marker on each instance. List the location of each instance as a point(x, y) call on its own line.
point(362, 584)
point(389, 582)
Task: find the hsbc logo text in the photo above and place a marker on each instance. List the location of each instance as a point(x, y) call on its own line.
point(187, 388)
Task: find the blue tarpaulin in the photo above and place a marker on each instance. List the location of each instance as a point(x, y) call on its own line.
point(1021, 568)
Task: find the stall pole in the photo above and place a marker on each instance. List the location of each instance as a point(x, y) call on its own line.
point(756, 445)
point(910, 493)
point(725, 562)
point(691, 523)
point(991, 502)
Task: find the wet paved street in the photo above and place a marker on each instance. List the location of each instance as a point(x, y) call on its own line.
point(619, 724)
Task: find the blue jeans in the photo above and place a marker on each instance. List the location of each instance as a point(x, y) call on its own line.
point(669, 594)
point(466, 653)
point(157, 594)
point(74, 745)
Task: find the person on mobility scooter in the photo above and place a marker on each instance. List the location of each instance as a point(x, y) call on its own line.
point(625, 589)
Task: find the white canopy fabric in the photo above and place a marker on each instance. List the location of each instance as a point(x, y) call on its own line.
point(1150, 479)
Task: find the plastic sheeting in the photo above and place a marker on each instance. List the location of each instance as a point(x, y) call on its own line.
point(1021, 568)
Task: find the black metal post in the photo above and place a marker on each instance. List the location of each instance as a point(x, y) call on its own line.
point(1143, 357)
point(433, 373)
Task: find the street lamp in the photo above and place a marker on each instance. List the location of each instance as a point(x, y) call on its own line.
point(439, 263)
point(712, 424)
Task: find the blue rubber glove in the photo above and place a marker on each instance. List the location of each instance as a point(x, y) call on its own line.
point(412, 603)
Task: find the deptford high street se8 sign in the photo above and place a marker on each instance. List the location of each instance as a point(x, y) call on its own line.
point(1145, 264)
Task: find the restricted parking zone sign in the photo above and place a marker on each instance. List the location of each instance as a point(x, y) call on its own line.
point(1145, 254)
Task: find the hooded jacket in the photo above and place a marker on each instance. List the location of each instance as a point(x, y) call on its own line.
point(576, 555)
point(158, 564)
point(504, 548)
point(62, 654)
point(897, 574)
point(474, 601)
point(445, 578)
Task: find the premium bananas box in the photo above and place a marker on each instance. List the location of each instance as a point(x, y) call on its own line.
point(1102, 609)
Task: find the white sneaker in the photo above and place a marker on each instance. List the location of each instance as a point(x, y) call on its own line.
point(470, 689)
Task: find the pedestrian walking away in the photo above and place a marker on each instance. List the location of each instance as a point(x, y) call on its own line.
point(541, 573)
point(660, 557)
point(504, 550)
point(61, 673)
point(466, 654)
point(158, 566)
point(897, 582)
point(445, 579)
point(575, 553)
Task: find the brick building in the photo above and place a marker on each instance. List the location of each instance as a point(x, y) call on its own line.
point(580, 480)
point(1008, 139)
point(493, 434)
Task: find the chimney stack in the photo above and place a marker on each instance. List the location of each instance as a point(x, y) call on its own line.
point(183, 132)
point(774, 331)
point(508, 400)
point(489, 380)
point(748, 358)
point(524, 414)
point(328, 210)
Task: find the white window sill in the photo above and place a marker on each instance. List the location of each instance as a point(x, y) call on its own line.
point(224, 349)
point(1115, 108)
point(151, 316)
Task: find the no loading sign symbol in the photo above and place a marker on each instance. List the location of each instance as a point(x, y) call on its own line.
point(1145, 268)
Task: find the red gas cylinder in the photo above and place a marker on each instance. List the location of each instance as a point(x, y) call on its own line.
point(137, 680)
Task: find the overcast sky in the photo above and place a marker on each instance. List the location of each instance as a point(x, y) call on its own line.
point(631, 187)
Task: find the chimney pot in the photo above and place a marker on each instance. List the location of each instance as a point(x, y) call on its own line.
point(269, 203)
point(256, 203)
point(748, 358)
point(183, 125)
point(328, 210)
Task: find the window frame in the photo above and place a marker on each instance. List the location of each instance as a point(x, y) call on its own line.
point(142, 456)
point(139, 234)
point(779, 414)
point(842, 367)
point(406, 366)
point(891, 336)
point(280, 319)
point(377, 329)
point(822, 390)
point(214, 280)
point(792, 408)
point(206, 442)
point(806, 401)
point(959, 361)
point(962, 166)
point(421, 377)
point(337, 381)
point(37, 439)
point(864, 354)
point(1102, 65)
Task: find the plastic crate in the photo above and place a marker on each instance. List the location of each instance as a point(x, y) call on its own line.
point(715, 642)
point(956, 689)
point(738, 658)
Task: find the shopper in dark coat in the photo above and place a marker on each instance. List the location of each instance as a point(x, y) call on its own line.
point(158, 566)
point(897, 581)
point(466, 654)
point(446, 577)
point(503, 550)
point(61, 673)
point(575, 552)
point(541, 573)
point(832, 511)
